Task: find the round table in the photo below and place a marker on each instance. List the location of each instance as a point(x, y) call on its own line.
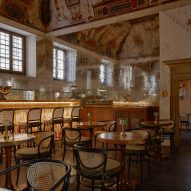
point(89, 126)
point(14, 139)
point(120, 139)
point(152, 124)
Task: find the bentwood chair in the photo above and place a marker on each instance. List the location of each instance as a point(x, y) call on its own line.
point(71, 136)
point(42, 148)
point(43, 174)
point(169, 132)
point(110, 126)
point(184, 121)
point(139, 151)
point(49, 175)
point(94, 168)
point(33, 120)
point(6, 121)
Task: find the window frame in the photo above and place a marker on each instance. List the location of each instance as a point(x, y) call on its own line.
point(106, 65)
point(65, 64)
point(11, 71)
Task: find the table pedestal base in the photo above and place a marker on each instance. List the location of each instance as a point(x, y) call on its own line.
point(129, 186)
point(8, 182)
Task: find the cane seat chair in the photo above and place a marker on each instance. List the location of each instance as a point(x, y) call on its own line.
point(184, 121)
point(99, 172)
point(6, 121)
point(33, 120)
point(139, 151)
point(71, 136)
point(169, 132)
point(109, 127)
point(49, 175)
point(42, 174)
point(42, 148)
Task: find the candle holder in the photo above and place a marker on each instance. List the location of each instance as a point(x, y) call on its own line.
point(89, 118)
point(6, 135)
point(124, 123)
point(4, 90)
point(156, 115)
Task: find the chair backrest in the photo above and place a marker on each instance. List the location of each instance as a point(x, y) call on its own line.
point(49, 175)
point(43, 139)
point(170, 124)
point(145, 134)
point(184, 117)
point(75, 112)
point(58, 113)
point(110, 126)
point(90, 161)
point(7, 116)
point(71, 134)
point(34, 114)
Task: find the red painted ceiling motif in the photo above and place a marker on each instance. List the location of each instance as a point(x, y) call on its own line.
point(69, 12)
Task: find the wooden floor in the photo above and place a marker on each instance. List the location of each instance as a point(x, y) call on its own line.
point(172, 174)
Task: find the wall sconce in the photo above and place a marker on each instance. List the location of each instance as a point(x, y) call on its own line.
point(163, 94)
point(189, 22)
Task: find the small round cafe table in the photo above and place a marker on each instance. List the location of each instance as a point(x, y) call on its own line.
point(8, 144)
point(122, 139)
point(155, 125)
point(89, 126)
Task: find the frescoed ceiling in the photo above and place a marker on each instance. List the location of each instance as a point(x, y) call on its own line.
point(23, 11)
point(66, 13)
point(129, 39)
point(51, 15)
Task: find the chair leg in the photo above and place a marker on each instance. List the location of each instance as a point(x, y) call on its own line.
point(141, 169)
point(92, 185)
point(117, 183)
point(129, 165)
point(1, 155)
point(78, 181)
point(149, 166)
point(64, 152)
point(18, 172)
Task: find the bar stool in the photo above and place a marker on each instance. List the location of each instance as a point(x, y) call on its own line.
point(75, 116)
point(57, 119)
point(33, 120)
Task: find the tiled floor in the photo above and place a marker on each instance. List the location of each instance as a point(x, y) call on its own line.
point(172, 174)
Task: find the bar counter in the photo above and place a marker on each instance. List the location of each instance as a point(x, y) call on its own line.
point(38, 104)
point(100, 112)
point(21, 108)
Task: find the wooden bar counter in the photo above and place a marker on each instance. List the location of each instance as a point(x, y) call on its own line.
point(100, 112)
point(115, 111)
point(21, 108)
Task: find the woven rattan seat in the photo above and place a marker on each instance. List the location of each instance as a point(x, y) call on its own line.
point(49, 175)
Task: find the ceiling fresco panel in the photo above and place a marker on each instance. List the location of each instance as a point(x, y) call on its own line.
point(67, 13)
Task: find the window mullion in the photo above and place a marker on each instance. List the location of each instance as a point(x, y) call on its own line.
point(11, 52)
point(56, 55)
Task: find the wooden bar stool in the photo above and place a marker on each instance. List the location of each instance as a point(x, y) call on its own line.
point(33, 120)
